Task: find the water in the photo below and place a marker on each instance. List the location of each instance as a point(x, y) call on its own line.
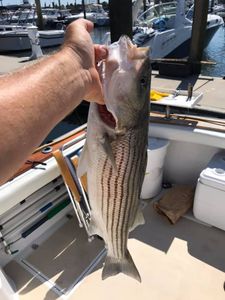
point(215, 52)
point(99, 35)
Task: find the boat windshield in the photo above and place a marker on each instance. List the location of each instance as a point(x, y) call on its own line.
point(95, 8)
point(50, 12)
point(166, 10)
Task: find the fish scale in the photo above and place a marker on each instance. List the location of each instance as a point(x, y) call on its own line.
point(115, 153)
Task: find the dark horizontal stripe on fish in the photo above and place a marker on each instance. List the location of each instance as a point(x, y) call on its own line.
point(106, 116)
point(121, 196)
point(132, 192)
point(131, 195)
point(102, 186)
point(109, 195)
point(119, 226)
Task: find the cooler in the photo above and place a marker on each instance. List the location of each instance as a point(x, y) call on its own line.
point(209, 201)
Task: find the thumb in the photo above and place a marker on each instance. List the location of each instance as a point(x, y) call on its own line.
point(101, 52)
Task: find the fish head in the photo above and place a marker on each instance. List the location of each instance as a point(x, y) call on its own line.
point(126, 82)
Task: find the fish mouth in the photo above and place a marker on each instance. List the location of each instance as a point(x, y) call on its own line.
point(123, 56)
point(107, 69)
point(106, 116)
point(105, 113)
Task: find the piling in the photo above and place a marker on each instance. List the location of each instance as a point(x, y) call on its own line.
point(40, 23)
point(198, 34)
point(84, 9)
point(212, 5)
point(120, 19)
point(144, 5)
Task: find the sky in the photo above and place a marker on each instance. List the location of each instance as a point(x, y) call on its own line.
point(10, 2)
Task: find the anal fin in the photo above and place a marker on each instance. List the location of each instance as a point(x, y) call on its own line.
point(138, 220)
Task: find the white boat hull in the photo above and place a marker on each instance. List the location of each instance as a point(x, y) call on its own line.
point(170, 35)
point(174, 43)
point(19, 40)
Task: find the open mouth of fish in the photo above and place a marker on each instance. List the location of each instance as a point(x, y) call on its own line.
point(112, 63)
point(123, 58)
point(106, 116)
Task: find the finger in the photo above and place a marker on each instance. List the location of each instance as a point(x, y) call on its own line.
point(95, 96)
point(101, 52)
point(85, 23)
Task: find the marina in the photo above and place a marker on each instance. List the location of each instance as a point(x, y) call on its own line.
point(47, 247)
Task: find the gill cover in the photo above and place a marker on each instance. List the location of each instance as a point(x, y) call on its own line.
point(119, 72)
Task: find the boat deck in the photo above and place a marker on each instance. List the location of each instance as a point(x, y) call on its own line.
point(181, 261)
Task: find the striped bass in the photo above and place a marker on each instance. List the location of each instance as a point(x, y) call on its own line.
point(114, 155)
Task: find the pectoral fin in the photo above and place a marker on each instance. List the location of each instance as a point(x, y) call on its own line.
point(139, 220)
point(107, 148)
point(83, 162)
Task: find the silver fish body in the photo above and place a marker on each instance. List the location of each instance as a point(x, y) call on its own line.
point(114, 155)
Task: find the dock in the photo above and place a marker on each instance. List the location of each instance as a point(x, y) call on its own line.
point(210, 87)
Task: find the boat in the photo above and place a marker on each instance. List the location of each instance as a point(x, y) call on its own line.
point(94, 13)
point(15, 26)
point(46, 251)
point(219, 9)
point(15, 38)
point(166, 28)
point(52, 17)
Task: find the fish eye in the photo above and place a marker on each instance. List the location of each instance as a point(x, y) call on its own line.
point(143, 81)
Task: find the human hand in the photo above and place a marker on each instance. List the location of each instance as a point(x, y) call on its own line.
point(79, 44)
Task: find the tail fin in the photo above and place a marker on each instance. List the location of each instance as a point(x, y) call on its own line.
point(125, 265)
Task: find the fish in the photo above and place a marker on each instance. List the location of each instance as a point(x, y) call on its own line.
point(114, 156)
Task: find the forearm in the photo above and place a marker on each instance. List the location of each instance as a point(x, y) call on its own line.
point(37, 97)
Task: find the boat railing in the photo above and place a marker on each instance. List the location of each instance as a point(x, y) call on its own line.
point(157, 12)
point(27, 17)
point(76, 187)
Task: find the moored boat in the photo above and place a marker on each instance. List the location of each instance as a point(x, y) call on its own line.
point(166, 28)
point(15, 38)
point(94, 13)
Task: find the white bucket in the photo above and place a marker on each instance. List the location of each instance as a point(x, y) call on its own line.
point(152, 184)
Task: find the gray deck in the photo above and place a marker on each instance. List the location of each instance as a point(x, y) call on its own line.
point(183, 261)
